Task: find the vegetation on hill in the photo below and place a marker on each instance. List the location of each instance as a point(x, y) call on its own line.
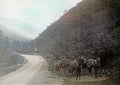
point(9, 60)
point(90, 29)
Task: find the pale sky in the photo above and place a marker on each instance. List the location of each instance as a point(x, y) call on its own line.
point(38, 14)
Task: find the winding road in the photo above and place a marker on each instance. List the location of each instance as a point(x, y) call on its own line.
point(23, 75)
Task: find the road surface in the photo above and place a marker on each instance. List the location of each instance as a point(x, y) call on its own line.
point(23, 75)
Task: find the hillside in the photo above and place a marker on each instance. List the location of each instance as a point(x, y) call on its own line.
point(13, 34)
point(16, 41)
point(9, 60)
point(91, 28)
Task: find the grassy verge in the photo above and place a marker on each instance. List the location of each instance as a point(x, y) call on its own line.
point(10, 63)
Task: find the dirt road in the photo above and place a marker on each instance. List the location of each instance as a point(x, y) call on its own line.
point(24, 74)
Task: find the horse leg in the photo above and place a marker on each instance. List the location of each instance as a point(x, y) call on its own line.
point(90, 71)
point(79, 74)
point(72, 72)
point(61, 71)
point(96, 72)
point(76, 75)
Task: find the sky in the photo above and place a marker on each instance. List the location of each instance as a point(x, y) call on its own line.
point(30, 17)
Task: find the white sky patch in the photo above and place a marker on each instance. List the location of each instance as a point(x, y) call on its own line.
point(38, 13)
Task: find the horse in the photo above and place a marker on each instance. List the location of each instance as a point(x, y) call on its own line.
point(75, 69)
point(93, 64)
point(57, 67)
point(65, 65)
point(61, 66)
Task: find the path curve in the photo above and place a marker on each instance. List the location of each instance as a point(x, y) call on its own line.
point(23, 75)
